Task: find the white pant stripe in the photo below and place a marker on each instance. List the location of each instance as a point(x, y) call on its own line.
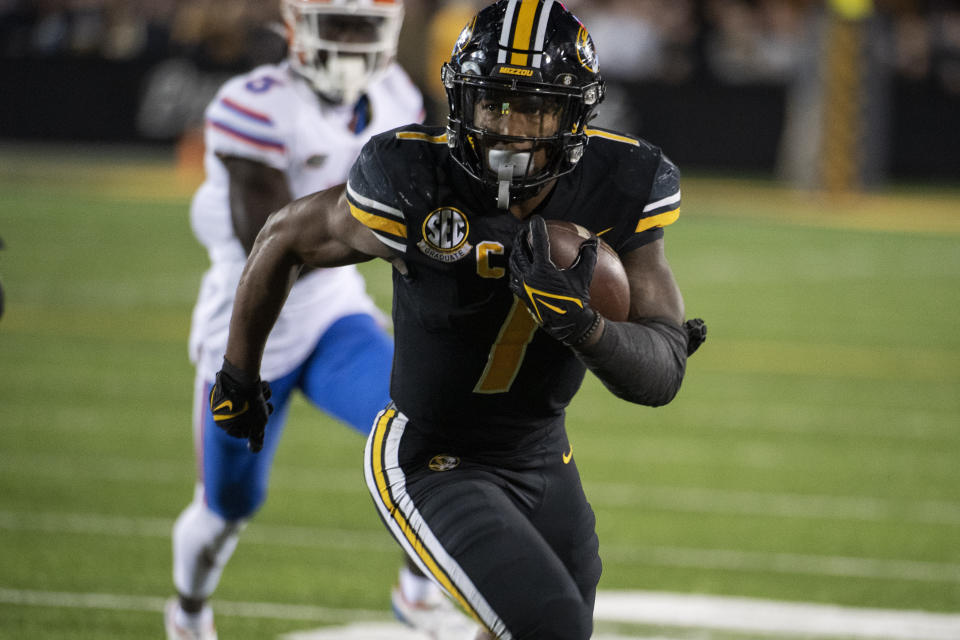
point(387, 484)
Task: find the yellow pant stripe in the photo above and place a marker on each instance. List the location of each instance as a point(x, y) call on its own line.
point(398, 517)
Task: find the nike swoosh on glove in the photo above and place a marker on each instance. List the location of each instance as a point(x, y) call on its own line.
point(240, 406)
point(558, 299)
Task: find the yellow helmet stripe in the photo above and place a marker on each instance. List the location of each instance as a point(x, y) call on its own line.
point(523, 32)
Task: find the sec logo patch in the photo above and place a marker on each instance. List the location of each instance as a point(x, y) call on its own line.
point(443, 462)
point(445, 233)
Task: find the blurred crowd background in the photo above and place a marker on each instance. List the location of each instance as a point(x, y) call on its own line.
point(728, 41)
point(676, 68)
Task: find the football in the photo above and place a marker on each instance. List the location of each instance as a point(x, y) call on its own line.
point(609, 289)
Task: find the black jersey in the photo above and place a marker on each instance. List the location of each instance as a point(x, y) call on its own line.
point(469, 360)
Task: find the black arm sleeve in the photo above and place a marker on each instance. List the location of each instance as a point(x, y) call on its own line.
point(641, 362)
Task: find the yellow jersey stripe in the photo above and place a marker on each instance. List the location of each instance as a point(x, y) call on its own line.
point(659, 220)
point(416, 135)
point(523, 32)
point(611, 136)
point(394, 510)
point(378, 223)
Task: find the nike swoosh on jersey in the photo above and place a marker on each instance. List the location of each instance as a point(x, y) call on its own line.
point(568, 456)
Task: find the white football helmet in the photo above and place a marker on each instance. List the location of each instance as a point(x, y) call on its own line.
point(340, 46)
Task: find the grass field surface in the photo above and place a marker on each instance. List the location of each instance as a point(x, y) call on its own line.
point(813, 455)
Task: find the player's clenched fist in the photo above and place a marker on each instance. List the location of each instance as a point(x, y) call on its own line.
point(239, 404)
point(559, 299)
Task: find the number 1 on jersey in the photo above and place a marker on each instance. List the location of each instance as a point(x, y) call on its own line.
point(508, 350)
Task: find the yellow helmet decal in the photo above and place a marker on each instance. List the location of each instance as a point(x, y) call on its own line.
point(466, 35)
point(586, 53)
point(524, 32)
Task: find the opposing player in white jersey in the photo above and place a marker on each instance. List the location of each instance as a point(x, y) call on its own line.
point(274, 134)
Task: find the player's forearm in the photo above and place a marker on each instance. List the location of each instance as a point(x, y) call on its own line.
point(642, 362)
point(263, 288)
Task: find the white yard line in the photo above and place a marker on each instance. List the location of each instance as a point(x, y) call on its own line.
point(717, 613)
point(342, 480)
point(747, 615)
point(393, 631)
point(359, 631)
point(256, 533)
point(602, 494)
point(784, 505)
point(375, 541)
point(785, 563)
point(117, 602)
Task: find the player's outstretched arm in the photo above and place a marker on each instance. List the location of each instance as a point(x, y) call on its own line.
point(643, 360)
point(318, 231)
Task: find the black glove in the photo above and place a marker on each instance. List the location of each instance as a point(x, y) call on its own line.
point(558, 299)
point(696, 334)
point(239, 404)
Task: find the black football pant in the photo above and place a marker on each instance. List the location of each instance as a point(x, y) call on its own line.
point(509, 536)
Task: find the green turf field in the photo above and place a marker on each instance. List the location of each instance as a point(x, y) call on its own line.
point(813, 454)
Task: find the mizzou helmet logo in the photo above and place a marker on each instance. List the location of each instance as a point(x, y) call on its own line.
point(586, 52)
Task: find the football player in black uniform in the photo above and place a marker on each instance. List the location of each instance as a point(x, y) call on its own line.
point(470, 466)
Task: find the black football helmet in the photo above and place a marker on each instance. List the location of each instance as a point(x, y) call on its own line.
point(532, 56)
